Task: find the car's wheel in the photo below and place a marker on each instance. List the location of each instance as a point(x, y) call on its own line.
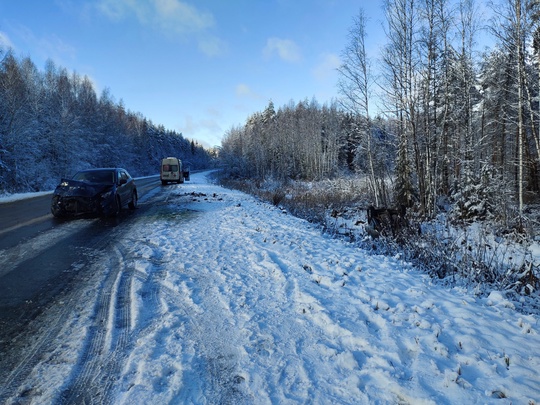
point(56, 210)
point(58, 213)
point(163, 182)
point(134, 201)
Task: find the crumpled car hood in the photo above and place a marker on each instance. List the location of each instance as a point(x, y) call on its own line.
point(74, 188)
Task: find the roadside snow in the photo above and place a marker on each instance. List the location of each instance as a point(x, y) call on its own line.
point(7, 198)
point(235, 301)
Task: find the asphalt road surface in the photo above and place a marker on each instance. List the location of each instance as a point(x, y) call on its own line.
point(25, 218)
point(43, 259)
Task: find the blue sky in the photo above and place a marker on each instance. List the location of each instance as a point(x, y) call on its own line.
point(195, 66)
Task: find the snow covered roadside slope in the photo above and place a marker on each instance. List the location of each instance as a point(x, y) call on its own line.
point(237, 302)
point(259, 307)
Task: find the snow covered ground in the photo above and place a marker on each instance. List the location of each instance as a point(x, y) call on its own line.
point(231, 300)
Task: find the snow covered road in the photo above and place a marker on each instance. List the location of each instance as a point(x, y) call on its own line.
point(217, 298)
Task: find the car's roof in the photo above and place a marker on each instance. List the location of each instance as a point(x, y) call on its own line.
point(101, 169)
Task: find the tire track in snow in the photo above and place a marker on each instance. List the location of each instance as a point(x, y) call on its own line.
point(41, 343)
point(164, 309)
point(16, 378)
point(100, 361)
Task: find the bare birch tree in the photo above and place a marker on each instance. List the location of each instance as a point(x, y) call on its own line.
point(355, 86)
point(401, 77)
point(512, 30)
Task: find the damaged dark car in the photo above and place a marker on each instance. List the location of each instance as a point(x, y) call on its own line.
point(102, 192)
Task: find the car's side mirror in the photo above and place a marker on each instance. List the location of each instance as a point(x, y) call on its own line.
point(122, 181)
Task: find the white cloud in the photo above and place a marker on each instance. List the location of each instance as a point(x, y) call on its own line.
point(56, 46)
point(5, 42)
point(172, 17)
point(327, 67)
point(117, 9)
point(208, 123)
point(209, 126)
point(243, 90)
point(48, 47)
point(284, 48)
point(206, 127)
point(212, 46)
point(177, 16)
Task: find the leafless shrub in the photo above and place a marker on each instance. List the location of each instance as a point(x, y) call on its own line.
point(487, 257)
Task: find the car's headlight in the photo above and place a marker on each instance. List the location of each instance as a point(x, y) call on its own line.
point(64, 184)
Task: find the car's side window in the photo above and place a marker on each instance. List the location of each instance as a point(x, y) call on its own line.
point(123, 176)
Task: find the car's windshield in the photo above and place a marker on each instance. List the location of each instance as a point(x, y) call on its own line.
point(99, 176)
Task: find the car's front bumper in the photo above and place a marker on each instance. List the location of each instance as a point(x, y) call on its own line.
point(75, 205)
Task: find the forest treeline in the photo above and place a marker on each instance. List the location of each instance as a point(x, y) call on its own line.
point(52, 124)
point(453, 126)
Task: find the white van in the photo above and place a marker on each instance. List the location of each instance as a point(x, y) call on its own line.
point(171, 170)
